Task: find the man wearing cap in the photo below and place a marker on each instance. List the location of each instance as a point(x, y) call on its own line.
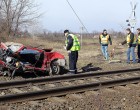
point(138, 42)
point(131, 42)
point(72, 45)
point(104, 40)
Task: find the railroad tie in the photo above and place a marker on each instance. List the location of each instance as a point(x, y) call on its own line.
point(136, 74)
point(36, 88)
point(89, 93)
point(50, 85)
point(108, 90)
point(133, 85)
point(116, 77)
point(15, 90)
point(122, 88)
point(105, 78)
point(67, 83)
point(80, 81)
point(75, 96)
point(34, 103)
point(94, 80)
point(56, 99)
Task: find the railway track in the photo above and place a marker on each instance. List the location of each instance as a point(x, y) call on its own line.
point(22, 83)
point(18, 91)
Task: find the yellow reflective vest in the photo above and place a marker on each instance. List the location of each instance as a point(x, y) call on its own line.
point(76, 43)
point(128, 39)
point(104, 39)
point(138, 40)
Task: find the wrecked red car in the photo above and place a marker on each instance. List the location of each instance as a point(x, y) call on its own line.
point(15, 57)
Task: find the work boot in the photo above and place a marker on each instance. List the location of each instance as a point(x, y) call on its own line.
point(128, 62)
point(135, 62)
point(75, 71)
point(138, 61)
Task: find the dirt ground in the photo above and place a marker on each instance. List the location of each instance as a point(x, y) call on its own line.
point(119, 98)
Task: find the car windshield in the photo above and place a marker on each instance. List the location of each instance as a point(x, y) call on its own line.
point(13, 46)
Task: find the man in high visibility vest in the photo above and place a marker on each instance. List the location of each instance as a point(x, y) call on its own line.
point(138, 42)
point(131, 42)
point(104, 40)
point(72, 45)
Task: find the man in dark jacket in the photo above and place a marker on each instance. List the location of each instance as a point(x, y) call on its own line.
point(131, 42)
point(72, 45)
point(104, 40)
point(138, 42)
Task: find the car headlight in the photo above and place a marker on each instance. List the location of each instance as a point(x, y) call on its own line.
point(61, 62)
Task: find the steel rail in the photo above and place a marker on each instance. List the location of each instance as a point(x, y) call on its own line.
point(22, 83)
point(38, 95)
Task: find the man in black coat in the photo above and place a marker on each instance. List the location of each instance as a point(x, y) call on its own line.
point(72, 45)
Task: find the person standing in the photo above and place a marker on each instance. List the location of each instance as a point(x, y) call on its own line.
point(138, 42)
point(72, 45)
point(131, 42)
point(104, 40)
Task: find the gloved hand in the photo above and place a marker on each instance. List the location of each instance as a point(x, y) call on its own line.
point(64, 47)
point(69, 51)
point(120, 44)
point(128, 46)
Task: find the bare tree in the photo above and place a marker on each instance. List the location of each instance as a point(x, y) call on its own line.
point(17, 13)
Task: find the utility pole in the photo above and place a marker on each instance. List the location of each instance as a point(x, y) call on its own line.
point(132, 19)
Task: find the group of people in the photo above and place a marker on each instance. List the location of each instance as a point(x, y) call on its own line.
point(131, 40)
point(72, 45)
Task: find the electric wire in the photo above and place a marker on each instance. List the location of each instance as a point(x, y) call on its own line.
point(77, 16)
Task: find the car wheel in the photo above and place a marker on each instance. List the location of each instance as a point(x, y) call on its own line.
point(55, 69)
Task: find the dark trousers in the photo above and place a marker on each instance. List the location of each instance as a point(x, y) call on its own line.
point(73, 57)
point(138, 53)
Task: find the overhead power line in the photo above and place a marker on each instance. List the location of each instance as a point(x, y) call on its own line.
point(77, 16)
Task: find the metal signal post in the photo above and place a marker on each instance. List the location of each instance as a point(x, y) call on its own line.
point(132, 19)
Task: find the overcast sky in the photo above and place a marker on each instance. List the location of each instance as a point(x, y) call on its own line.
point(95, 14)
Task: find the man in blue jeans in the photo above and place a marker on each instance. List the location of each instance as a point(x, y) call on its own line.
point(104, 40)
point(131, 42)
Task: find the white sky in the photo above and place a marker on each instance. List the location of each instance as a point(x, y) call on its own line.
point(95, 14)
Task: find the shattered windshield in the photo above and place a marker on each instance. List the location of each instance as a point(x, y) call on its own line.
point(14, 46)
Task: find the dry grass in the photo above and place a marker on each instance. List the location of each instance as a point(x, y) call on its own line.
point(90, 51)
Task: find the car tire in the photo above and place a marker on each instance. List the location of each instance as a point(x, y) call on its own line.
point(55, 69)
